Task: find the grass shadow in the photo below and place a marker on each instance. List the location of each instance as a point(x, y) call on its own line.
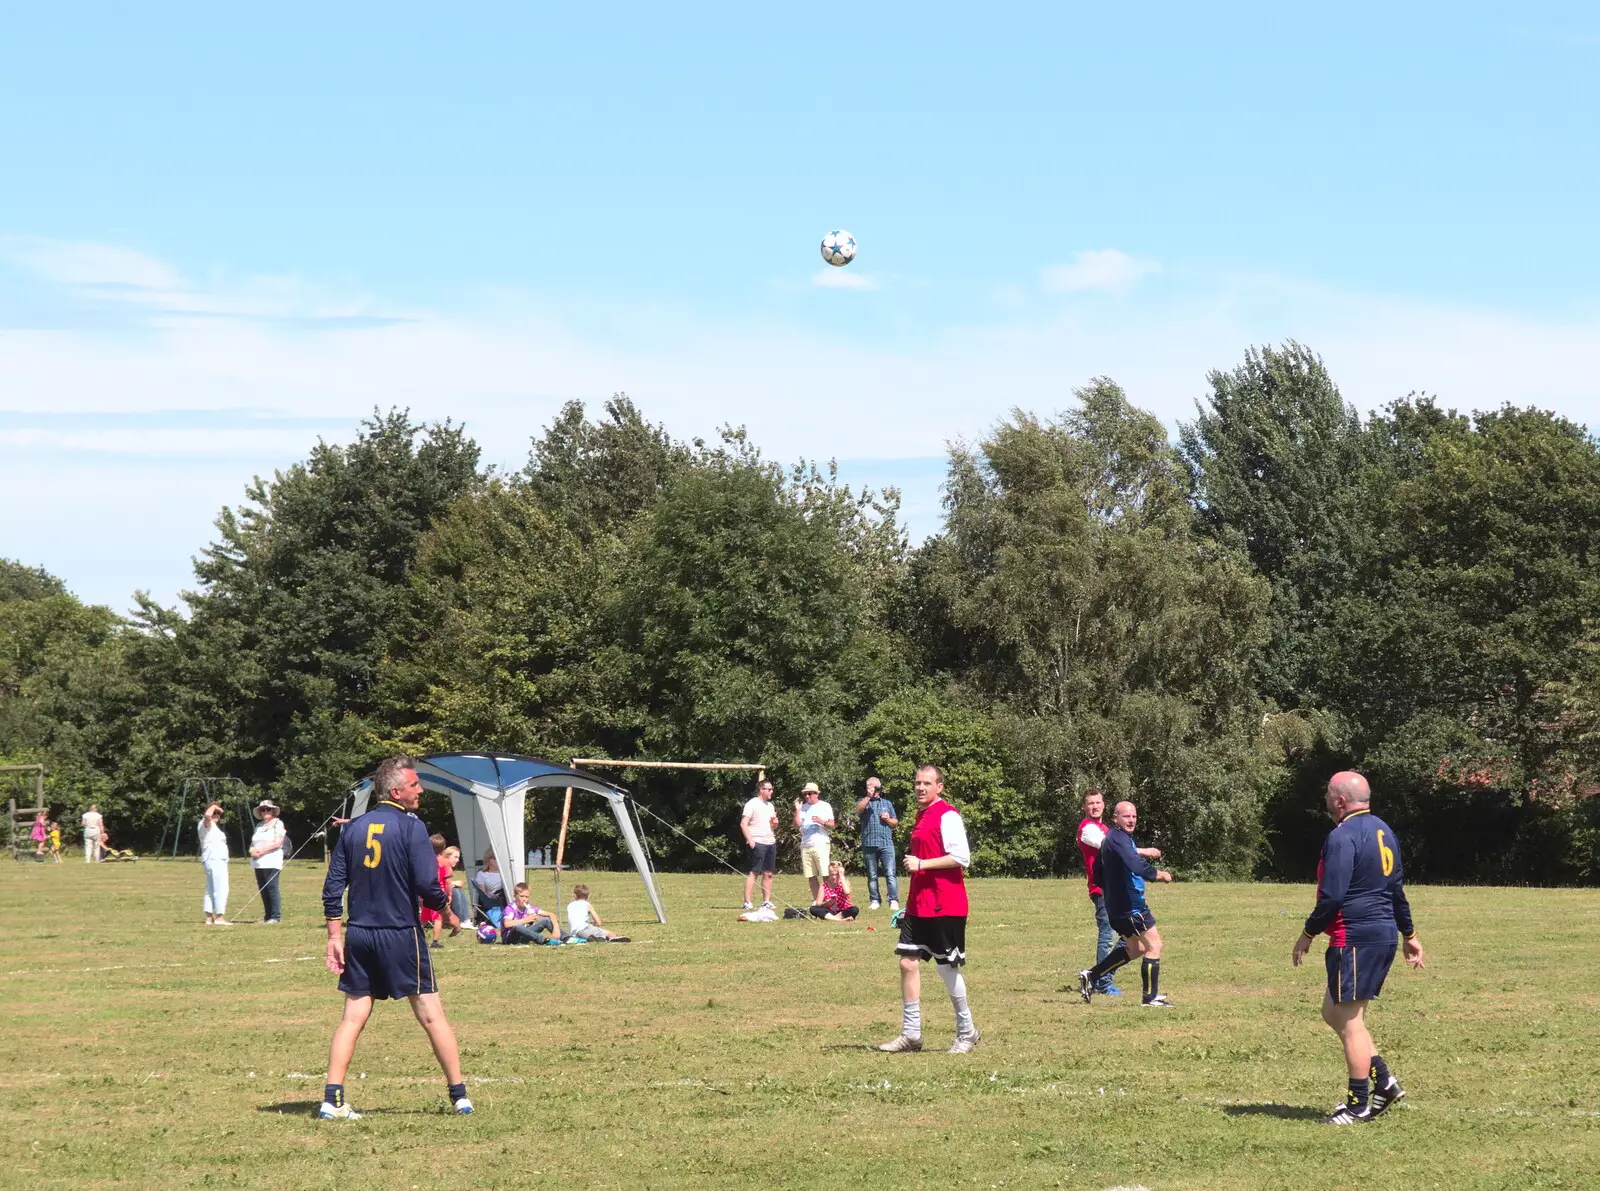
point(848, 1046)
point(308, 1108)
point(1284, 1112)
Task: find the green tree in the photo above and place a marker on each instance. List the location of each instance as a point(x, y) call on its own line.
point(1115, 644)
point(1276, 458)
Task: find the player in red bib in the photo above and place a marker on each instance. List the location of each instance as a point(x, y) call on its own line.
point(934, 925)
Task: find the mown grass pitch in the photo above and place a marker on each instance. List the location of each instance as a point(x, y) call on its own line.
point(142, 1049)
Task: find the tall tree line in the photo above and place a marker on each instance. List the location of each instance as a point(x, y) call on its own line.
point(1207, 626)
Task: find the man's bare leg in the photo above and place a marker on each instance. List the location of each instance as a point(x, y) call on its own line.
point(343, 1049)
point(430, 1014)
point(749, 886)
point(1350, 1023)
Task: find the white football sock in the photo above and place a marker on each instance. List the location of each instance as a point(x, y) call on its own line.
point(911, 1019)
point(957, 988)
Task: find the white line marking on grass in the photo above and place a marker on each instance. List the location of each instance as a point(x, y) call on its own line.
point(226, 963)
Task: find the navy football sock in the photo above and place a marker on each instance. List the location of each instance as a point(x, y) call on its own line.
point(1358, 1094)
point(1150, 975)
point(458, 1091)
point(333, 1093)
point(1114, 959)
point(1379, 1072)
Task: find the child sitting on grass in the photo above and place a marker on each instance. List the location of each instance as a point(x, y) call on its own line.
point(834, 903)
point(524, 922)
point(583, 922)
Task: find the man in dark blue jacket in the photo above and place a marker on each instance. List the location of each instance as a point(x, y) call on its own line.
point(1361, 903)
point(386, 862)
point(1121, 873)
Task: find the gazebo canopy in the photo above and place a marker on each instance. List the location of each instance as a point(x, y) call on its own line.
point(488, 792)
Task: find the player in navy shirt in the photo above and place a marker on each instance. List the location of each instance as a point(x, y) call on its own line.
point(1121, 871)
point(1361, 905)
point(386, 862)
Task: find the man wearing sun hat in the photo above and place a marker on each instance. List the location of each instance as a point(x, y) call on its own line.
point(813, 818)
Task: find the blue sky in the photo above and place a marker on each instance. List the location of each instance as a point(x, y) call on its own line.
point(229, 230)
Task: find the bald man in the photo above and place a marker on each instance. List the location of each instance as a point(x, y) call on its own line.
point(1361, 903)
point(1122, 872)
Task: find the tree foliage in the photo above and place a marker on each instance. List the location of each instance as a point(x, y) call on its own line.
point(1208, 627)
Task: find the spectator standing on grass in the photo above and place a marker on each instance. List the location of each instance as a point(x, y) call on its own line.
point(387, 864)
point(429, 917)
point(55, 841)
point(266, 859)
point(93, 827)
point(813, 819)
point(214, 861)
point(878, 822)
point(758, 822)
point(934, 925)
point(1362, 906)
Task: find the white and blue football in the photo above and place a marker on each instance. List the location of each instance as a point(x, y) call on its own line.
point(838, 248)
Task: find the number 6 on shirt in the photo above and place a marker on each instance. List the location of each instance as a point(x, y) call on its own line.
point(1385, 856)
point(374, 845)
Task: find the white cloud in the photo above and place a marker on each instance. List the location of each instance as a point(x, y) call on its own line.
point(1098, 269)
point(67, 263)
point(840, 277)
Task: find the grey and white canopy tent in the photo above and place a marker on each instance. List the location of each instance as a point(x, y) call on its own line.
point(488, 793)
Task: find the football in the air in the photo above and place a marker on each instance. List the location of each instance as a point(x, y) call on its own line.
point(838, 248)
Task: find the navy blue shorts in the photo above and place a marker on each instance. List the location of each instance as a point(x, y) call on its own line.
point(1135, 923)
point(1356, 973)
point(386, 963)
point(763, 858)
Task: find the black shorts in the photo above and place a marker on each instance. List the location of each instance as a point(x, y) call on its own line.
point(763, 858)
point(943, 940)
point(1135, 923)
point(1357, 972)
point(386, 963)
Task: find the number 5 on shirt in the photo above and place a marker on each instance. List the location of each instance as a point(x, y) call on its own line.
point(375, 846)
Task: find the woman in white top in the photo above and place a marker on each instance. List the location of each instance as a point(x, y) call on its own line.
point(266, 857)
point(214, 859)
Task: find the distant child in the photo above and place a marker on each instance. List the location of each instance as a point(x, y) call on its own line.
point(40, 834)
point(524, 922)
point(834, 897)
point(428, 916)
point(455, 887)
point(55, 841)
point(583, 922)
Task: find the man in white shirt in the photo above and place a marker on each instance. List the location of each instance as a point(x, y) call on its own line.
point(813, 818)
point(92, 823)
point(759, 823)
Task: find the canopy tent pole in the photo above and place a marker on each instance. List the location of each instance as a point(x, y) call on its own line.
point(561, 844)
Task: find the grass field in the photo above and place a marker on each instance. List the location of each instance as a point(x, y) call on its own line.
point(145, 1050)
